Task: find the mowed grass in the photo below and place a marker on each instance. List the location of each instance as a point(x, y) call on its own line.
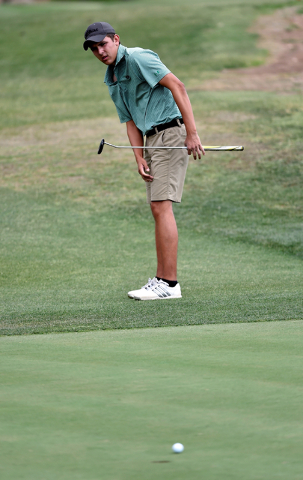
point(76, 233)
point(111, 404)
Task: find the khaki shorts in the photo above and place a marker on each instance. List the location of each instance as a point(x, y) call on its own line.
point(168, 167)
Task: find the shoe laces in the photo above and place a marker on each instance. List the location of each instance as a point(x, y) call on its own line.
point(152, 282)
point(160, 285)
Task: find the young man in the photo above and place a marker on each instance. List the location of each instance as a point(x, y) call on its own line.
point(153, 103)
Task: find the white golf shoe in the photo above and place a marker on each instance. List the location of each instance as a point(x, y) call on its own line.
point(150, 284)
point(160, 291)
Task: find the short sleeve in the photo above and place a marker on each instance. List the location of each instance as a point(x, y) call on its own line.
point(124, 115)
point(150, 66)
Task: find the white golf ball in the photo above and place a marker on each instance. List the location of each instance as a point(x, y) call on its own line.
point(178, 447)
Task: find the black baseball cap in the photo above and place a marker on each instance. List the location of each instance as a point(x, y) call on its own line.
point(96, 32)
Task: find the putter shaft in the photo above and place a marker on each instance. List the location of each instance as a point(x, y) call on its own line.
point(206, 148)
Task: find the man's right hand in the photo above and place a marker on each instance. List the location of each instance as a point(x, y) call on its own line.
point(136, 138)
point(143, 170)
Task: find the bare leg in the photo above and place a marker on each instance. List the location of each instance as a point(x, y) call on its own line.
point(166, 239)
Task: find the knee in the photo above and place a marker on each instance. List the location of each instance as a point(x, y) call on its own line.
point(155, 208)
point(159, 208)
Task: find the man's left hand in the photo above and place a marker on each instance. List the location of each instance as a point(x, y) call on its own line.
point(194, 145)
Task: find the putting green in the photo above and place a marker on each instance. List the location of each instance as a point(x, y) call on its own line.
point(109, 404)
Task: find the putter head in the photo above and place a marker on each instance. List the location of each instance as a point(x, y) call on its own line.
point(101, 146)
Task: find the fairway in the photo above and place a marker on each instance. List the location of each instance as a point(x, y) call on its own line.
point(76, 232)
point(224, 281)
point(109, 405)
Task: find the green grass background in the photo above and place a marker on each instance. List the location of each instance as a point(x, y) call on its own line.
point(76, 233)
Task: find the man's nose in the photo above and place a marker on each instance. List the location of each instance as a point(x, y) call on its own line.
point(100, 49)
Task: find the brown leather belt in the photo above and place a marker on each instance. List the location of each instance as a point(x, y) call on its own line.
point(173, 123)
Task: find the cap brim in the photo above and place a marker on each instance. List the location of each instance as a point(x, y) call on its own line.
point(90, 40)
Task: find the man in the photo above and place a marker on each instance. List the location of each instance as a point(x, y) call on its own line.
point(153, 103)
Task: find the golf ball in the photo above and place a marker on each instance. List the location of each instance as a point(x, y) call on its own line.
point(178, 447)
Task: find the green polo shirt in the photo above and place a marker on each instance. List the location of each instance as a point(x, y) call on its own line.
point(137, 94)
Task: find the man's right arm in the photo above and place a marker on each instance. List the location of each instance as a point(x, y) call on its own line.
point(136, 139)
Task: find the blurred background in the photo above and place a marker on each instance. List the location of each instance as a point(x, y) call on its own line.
point(67, 214)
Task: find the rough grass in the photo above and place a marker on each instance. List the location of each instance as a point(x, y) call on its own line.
point(76, 233)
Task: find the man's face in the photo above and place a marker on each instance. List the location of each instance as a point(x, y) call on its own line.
point(106, 51)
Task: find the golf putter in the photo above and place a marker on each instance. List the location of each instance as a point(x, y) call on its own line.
point(206, 148)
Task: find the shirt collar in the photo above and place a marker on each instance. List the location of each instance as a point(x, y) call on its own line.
point(121, 53)
point(108, 79)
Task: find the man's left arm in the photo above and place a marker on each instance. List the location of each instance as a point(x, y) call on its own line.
point(179, 93)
